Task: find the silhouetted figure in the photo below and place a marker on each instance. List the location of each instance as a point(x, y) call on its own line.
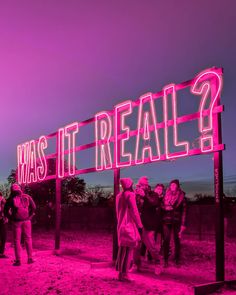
point(3, 227)
point(159, 190)
point(174, 216)
point(129, 227)
point(22, 209)
point(151, 221)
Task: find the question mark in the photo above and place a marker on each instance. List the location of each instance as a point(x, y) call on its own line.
point(208, 84)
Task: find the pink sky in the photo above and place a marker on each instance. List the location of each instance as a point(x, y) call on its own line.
point(64, 61)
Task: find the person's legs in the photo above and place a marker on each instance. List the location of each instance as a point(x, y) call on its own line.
point(176, 229)
point(127, 261)
point(26, 227)
point(149, 240)
point(22, 240)
point(166, 243)
point(3, 236)
point(137, 256)
point(123, 261)
point(17, 236)
point(161, 241)
point(143, 249)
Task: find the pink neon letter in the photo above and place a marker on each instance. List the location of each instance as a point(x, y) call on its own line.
point(32, 168)
point(42, 167)
point(121, 111)
point(22, 160)
point(70, 132)
point(170, 89)
point(60, 153)
point(103, 127)
point(144, 125)
point(202, 86)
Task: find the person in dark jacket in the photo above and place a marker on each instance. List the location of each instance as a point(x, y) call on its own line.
point(3, 227)
point(173, 218)
point(150, 203)
point(20, 209)
point(159, 190)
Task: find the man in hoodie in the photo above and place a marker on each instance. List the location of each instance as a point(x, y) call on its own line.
point(22, 209)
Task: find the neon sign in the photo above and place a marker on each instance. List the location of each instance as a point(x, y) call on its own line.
point(113, 134)
point(170, 89)
point(145, 118)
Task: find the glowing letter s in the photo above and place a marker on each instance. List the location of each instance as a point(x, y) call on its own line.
point(42, 167)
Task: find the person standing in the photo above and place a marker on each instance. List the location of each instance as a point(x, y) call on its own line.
point(174, 217)
point(22, 209)
point(129, 227)
point(3, 227)
point(159, 191)
point(149, 218)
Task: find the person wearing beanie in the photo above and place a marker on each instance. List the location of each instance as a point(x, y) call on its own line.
point(150, 202)
point(142, 189)
point(129, 227)
point(173, 218)
point(143, 181)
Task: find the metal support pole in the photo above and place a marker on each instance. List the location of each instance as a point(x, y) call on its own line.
point(116, 192)
point(219, 206)
point(218, 184)
point(58, 215)
point(116, 189)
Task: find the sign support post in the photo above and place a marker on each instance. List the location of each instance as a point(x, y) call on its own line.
point(58, 215)
point(218, 184)
point(219, 206)
point(116, 192)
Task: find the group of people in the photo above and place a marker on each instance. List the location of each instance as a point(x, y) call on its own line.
point(19, 208)
point(142, 215)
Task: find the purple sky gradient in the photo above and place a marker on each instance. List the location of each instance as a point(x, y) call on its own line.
point(63, 61)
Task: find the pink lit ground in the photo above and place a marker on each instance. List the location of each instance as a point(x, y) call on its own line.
point(80, 269)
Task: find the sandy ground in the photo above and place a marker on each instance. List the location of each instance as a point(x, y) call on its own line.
point(84, 267)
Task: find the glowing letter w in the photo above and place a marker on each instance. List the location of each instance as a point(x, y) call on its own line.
point(22, 160)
